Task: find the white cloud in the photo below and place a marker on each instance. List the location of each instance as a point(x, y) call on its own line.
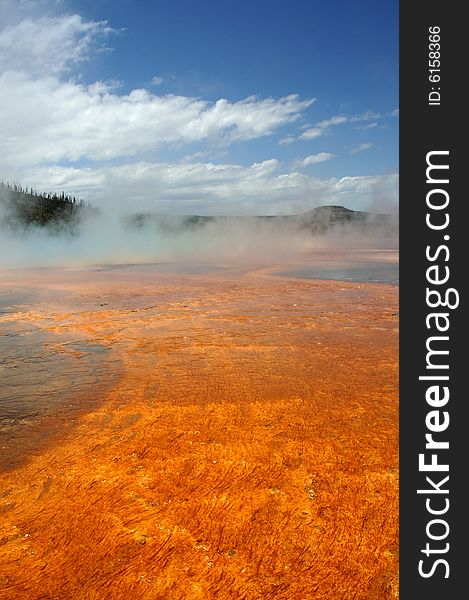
point(45, 120)
point(12, 11)
point(366, 116)
point(311, 133)
point(314, 159)
point(368, 126)
point(336, 120)
point(321, 128)
point(287, 140)
point(208, 188)
point(157, 80)
point(361, 148)
point(48, 45)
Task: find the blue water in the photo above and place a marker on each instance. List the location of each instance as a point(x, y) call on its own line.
point(365, 272)
point(188, 268)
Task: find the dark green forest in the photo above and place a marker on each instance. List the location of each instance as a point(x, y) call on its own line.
point(23, 207)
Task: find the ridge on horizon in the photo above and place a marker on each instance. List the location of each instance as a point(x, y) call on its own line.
point(28, 207)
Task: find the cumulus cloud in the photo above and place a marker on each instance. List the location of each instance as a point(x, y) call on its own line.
point(157, 80)
point(366, 116)
point(208, 188)
point(287, 140)
point(313, 159)
point(323, 127)
point(368, 126)
point(49, 45)
point(46, 120)
point(361, 148)
point(336, 120)
point(13, 11)
point(311, 133)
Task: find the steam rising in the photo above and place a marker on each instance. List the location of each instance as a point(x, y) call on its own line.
point(115, 237)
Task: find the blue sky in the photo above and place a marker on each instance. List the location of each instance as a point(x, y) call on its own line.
point(209, 107)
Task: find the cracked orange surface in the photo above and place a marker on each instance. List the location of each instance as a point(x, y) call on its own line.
point(243, 443)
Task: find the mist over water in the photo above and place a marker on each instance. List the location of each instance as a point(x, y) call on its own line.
point(112, 236)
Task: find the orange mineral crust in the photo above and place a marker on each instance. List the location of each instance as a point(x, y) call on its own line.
point(244, 444)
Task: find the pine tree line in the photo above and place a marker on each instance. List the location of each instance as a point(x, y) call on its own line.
point(17, 188)
point(28, 206)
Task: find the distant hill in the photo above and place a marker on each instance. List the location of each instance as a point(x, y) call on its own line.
point(22, 207)
point(323, 218)
point(318, 220)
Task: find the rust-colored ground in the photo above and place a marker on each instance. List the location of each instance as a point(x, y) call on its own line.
point(248, 448)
